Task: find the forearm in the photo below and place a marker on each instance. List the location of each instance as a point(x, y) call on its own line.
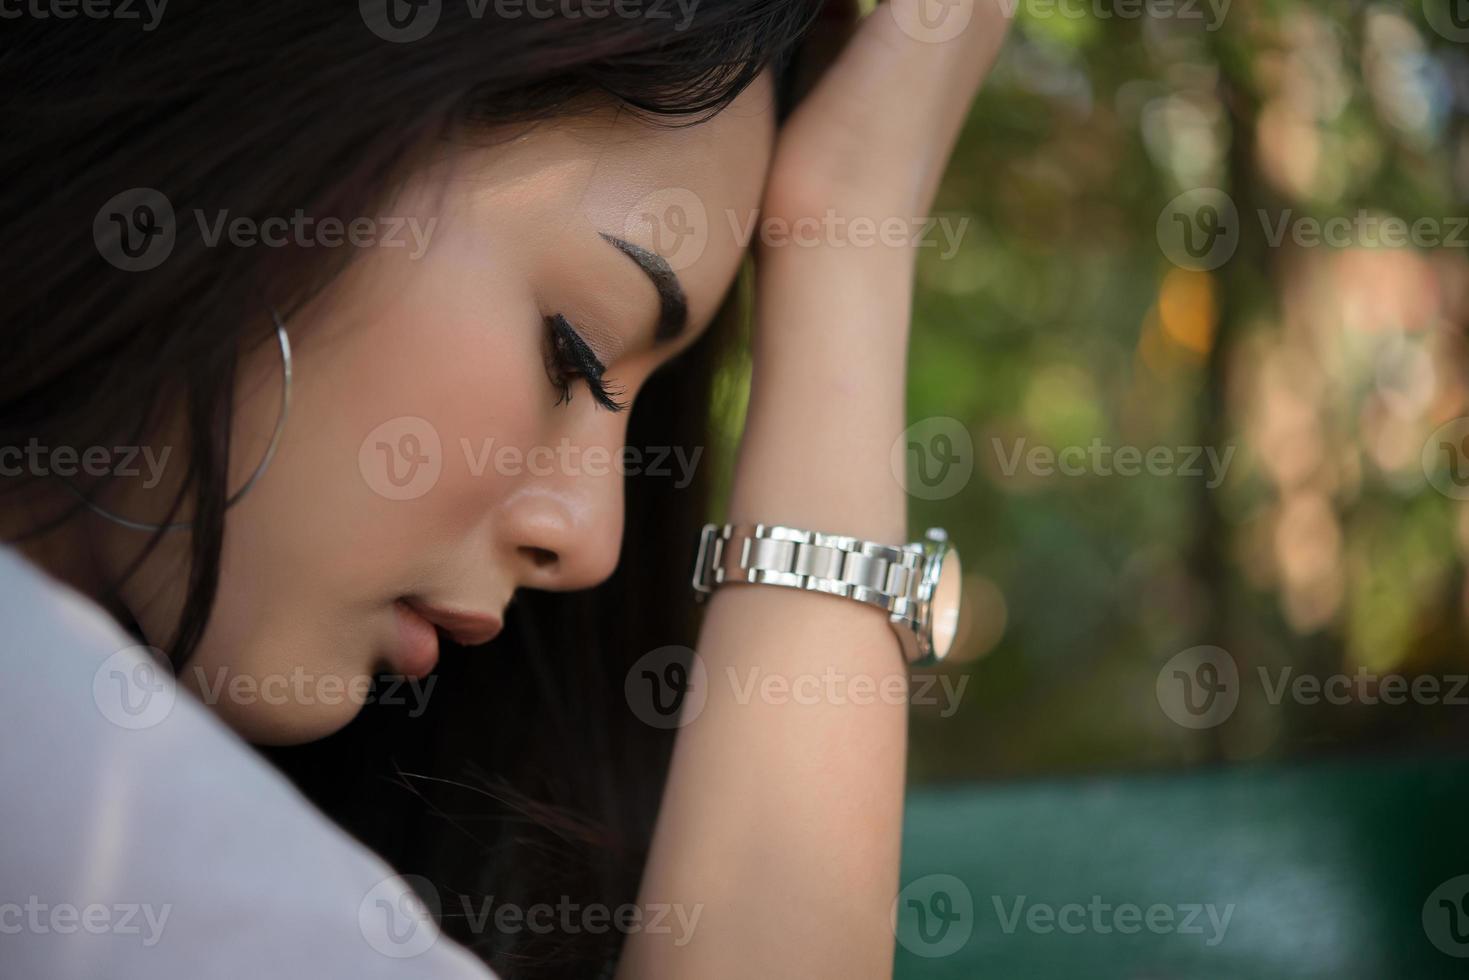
point(782, 817)
point(783, 813)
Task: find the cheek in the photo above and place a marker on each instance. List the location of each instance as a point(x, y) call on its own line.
point(423, 402)
point(392, 417)
point(385, 474)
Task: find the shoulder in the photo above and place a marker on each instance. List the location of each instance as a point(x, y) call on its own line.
point(143, 837)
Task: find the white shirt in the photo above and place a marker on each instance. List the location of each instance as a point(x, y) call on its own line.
point(140, 837)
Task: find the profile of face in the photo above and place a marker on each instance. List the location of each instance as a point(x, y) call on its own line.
point(446, 443)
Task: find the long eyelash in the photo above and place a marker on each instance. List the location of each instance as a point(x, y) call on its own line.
point(569, 357)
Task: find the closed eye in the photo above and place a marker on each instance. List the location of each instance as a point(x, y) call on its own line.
point(569, 358)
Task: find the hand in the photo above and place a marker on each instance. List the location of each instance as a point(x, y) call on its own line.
point(873, 137)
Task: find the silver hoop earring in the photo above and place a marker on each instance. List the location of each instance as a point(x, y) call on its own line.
point(275, 438)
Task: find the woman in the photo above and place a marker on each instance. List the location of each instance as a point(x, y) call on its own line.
point(323, 335)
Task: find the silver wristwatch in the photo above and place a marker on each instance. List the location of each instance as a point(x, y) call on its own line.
point(917, 585)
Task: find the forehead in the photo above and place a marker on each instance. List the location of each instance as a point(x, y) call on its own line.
point(687, 192)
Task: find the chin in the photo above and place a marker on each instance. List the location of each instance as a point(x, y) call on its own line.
point(288, 721)
point(291, 725)
point(295, 728)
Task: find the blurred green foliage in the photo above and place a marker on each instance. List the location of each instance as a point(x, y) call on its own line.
point(1066, 319)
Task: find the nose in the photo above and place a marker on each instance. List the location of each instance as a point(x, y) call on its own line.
point(564, 524)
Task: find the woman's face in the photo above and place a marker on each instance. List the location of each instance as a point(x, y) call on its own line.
point(430, 460)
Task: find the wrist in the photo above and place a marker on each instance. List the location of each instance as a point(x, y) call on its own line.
point(819, 470)
point(833, 305)
point(827, 395)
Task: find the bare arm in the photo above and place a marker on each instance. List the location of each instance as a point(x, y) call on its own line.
point(782, 816)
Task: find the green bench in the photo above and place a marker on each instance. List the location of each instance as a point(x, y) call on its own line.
point(1340, 870)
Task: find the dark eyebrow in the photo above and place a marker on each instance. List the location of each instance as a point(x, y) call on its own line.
point(673, 305)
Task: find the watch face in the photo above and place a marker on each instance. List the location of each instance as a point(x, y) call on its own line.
point(943, 610)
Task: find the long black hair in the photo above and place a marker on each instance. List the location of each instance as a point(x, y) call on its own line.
point(528, 779)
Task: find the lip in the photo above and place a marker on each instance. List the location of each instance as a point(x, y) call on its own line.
point(464, 627)
point(417, 652)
